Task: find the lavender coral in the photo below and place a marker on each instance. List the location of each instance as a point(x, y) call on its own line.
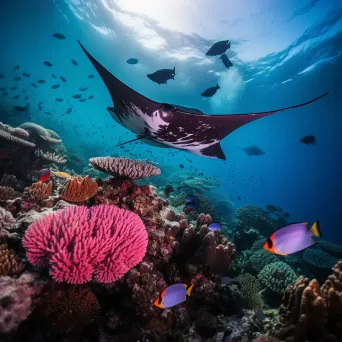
point(79, 242)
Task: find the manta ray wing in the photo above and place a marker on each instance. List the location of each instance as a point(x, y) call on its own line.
point(175, 126)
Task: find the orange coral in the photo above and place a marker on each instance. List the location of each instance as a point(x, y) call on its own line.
point(79, 189)
point(37, 192)
point(10, 264)
point(72, 309)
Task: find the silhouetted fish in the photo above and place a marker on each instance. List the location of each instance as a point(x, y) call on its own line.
point(48, 113)
point(219, 48)
point(55, 86)
point(210, 91)
point(14, 88)
point(26, 74)
point(74, 62)
point(20, 108)
point(34, 85)
point(225, 60)
point(77, 96)
point(253, 150)
point(47, 63)
point(132, 61)
point(308, 139)
point(91, 76)
point(90, 97)
point(2, 75)
point(58, 99)
point(2, 88)
point(40, 107)
point(68, 111)
point(17, 67)
point(59, 36)
point(83, 88)
point(15, 97)
point(53, 75)
point(162, 76)
point(63, 78)
point(17, 78)
point(82, 100)
point(5, 93)
point(41, 81)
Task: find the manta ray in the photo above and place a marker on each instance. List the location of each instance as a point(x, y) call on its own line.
point(170, 125)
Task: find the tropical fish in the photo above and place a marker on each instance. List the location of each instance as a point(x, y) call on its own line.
point(34, 85)
point(189, 199)
point(82, 100)
point(63, 78)
point(17, 67)
point(44, 175)
point(292, 238)
point(168, 189)
point(189, 208)
point(2, 75)
point(68, 111)
point(90, 76)
point(90, 97)
point(214, 226)
point(17, 78)
point(219, 48)
point(259, 313)
point(77, 96)
point(225, 60)
point(54, 76)
point(186, 129)
point(47, 63)
point(55, 86)
point(210, 91)
point(181, 166)
point(61, 174)
point(253, 150)
point(41, 81)
point(74, 62)
point(58, 99)
point(25, 74)
point(238, 197)
point(162, 76)
point(59, 35)
point(40, 107)
point(83, 88)
point(308, 140)
point(132, 61)
point(173, 295)
point(20, 108)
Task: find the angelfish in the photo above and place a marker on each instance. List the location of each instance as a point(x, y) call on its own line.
point(292, 238)
point(170, 125)
point(173, 295)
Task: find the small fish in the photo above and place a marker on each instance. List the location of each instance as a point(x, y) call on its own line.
point(168, 189)
point(292, 238)
point(4, 93)
point(14, 88)
point(219, 48)
point(16, 97)
point(17, 67)
point(47, 63)
point(58, 99)
point(90, 97)
point(74, 62)
point(173, 295)
point(3, 88)
point(25, 74)
point(181, 166)
point(34, 85)
point(225, 60)
point(48, 113)
point(20, 108)
point(82, 100)
point(189, 199)
point(44, 175)
point(55, 86)
point(53, 75)
point(210, 91)
point(132, 61)
point(162, 76)
point(238, 198)
point(62, 78)
point(61, 174)
point(271, 208)
point(68, 111)
point(214, 226)
point(17, 78)
point(259, 313)
point(59, 36)
point(77, 96)
point(308, 140)
point(83, 88)
point(189, 208)
point(40, 107)
point(41, 81)
point(2, 75)
point(90, 76)
point(253, 150)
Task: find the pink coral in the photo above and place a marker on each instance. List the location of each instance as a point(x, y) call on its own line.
point(78, 242)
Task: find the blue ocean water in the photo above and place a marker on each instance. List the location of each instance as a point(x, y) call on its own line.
point(283, 54)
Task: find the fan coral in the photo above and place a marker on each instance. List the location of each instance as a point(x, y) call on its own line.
point(37, 192)
point(41, 132)
point(6, 193)
point(277, 276)
point(250, 289)
point(72, 309)
point(78, 242)
point(79, 189)
point(14, 135)
point(10, 264)
point(50, 157)
point(17, 300)
point(124, 168)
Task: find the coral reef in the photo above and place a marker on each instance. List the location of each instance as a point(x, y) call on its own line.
point(42, 133)
point(79, 189)
point(14, 135)
point(37, 192)
point(10, 264)
point(50, 157)
point(6, 193)
point(250, 288)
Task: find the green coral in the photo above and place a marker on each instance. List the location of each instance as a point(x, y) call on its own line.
point(258, 244)
point(261, 258)
point(250, 288)
point(277, 276)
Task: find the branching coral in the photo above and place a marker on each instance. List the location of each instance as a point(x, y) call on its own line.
point(124, 168)
point(37, 192)
point(50, 157)
point(72, 309)
point(79, 189)
point(6, 220)
point(250, 288)
point(14, 135)
point(10, 264)
point(79, 242)
point(6, 193)
point(277, 276)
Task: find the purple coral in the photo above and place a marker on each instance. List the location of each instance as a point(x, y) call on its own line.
point(79, 242)
point(124, 168)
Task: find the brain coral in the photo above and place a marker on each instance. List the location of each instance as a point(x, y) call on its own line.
point(250, 289)
point(277, 276)
point(261, 258)
point(78, 242)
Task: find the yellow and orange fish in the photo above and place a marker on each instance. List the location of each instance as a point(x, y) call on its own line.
point(61, 174)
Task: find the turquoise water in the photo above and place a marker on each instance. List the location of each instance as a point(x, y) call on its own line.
point(294, 57)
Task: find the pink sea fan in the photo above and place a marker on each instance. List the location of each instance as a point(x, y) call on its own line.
point(77, 243)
